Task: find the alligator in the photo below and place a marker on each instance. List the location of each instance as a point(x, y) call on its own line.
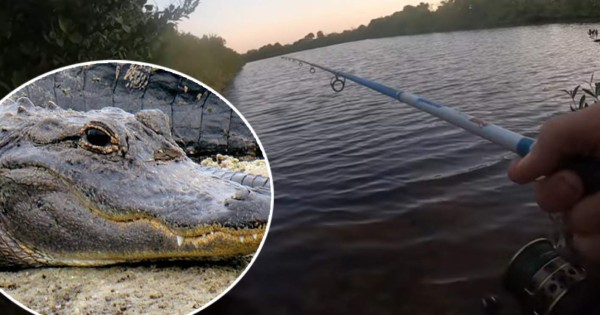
point(106, 186)
point(201, 122)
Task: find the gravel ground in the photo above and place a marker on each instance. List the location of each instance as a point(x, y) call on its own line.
point(121, 289)
point(255, 167)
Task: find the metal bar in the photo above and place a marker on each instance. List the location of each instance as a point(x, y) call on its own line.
point(507, 139)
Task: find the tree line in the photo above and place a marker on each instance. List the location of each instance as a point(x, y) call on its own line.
point(450, 15)
point(39, 36)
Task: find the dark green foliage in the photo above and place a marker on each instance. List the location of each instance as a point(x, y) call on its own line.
point(38, 36)
point(450, 15)
point(206, 59)
point(580, 96)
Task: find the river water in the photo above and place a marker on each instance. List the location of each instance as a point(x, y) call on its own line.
point(380, 208)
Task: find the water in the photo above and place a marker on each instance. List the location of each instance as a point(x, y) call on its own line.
point(380, 208)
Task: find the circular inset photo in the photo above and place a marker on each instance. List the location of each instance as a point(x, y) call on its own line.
point(126, 188)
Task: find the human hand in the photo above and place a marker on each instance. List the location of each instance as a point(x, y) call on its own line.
point(560, 140)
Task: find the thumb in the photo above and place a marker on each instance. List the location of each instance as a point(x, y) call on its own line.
point(540, 161)
point(567, 136)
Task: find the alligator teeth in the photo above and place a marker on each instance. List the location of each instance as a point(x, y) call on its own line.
point(241, 239)
point(254, 236)
point(179, 240)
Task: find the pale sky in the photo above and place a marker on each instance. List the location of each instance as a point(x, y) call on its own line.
point(248, 24)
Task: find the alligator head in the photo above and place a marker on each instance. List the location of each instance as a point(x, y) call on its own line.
point(107, 186)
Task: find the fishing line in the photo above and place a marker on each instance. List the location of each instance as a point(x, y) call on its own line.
point(508, 139)
point(588, 168)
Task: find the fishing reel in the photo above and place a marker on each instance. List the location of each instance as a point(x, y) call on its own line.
point(545, 281)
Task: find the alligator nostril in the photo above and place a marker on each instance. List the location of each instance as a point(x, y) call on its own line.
point(168, 154)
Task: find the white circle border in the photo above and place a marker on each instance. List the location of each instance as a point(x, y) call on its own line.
point(105, 61)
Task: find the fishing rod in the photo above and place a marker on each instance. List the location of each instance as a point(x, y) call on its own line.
point(507, 139)
point(537, 276)
point(588, 168)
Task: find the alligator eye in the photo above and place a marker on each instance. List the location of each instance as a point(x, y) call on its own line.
point(97, 137)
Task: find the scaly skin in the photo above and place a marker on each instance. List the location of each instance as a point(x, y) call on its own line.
point(66, 199)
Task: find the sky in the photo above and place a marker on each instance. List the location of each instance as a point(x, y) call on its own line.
point(248, 24)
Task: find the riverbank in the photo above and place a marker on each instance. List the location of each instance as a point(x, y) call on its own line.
point(447, 17)
point(281, 50)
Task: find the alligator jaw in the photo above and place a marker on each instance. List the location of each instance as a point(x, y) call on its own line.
point(211, 246)
point(84, 235)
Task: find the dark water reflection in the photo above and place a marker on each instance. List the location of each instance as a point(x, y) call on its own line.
point(380, 208)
